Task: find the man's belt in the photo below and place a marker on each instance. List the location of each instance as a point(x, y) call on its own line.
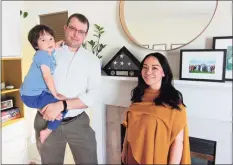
point(67, 119)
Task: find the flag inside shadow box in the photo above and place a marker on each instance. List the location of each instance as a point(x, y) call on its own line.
point(123, 64)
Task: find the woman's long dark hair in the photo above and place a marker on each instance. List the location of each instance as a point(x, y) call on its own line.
point(168, 94)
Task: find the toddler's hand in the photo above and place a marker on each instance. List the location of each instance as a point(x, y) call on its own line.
point(58, 44)
point(61, 97)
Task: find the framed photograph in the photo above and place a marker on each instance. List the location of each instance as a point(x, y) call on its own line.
point(203, 65)
point(145, 46)
point(159, 47)
point(225, 42)
point(175, 46)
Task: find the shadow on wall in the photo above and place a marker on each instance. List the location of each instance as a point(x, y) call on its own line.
point(208, 43)
point(173, 58)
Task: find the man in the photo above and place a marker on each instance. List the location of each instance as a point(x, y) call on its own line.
point(77, 76)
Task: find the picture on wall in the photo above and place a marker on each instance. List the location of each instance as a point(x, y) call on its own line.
point(225, 42)
point(175, 46)
point(202, 65)
point(159, 47)
point(146, 46)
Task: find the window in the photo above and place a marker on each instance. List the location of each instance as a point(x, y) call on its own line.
point(56, 22)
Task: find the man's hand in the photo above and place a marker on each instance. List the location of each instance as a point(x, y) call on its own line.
point(58, 44)
point(51, 111)
point(59, 117)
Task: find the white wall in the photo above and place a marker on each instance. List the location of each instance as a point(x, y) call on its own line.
point(106, 14)
point(161, 9)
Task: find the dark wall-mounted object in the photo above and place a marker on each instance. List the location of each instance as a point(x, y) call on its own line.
point(123, 64)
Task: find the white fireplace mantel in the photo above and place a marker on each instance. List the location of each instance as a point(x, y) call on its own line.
point(183, 82)
point(208, 95)
point(209, 110)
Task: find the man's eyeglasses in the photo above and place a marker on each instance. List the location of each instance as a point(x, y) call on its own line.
point(73, 29)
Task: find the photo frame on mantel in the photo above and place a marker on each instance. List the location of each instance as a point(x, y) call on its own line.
point(225, 42)
point(203, 65)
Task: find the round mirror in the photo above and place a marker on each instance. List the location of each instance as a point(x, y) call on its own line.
point(165, 25)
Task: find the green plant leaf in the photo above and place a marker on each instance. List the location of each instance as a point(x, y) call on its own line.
point(101, 47)
point(25, 14)
point(84, 45)
point(91, 42)
point(102, 32)
point(101, 28)
point(96, 26)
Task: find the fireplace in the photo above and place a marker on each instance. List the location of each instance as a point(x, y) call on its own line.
point(209, 120)
point(202, 150)
point(114, 118)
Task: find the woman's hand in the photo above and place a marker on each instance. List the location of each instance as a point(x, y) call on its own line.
point(124, 154)
point(177, 149)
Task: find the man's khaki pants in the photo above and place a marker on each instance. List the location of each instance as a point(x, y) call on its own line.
point(76, 132)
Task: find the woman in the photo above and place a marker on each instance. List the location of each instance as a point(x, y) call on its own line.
point(157, 131)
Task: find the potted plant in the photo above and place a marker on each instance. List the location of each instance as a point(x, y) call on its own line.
point(96, 46)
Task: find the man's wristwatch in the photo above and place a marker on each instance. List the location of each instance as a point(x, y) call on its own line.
point(64, 105)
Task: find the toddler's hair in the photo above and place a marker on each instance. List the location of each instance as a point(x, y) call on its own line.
point(35, 33)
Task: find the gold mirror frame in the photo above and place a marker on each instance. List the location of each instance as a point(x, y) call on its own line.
point(126, 30)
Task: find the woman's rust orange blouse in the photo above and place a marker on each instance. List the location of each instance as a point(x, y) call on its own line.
point(151, 130)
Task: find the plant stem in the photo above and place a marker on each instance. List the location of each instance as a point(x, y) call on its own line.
point(97, 47)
